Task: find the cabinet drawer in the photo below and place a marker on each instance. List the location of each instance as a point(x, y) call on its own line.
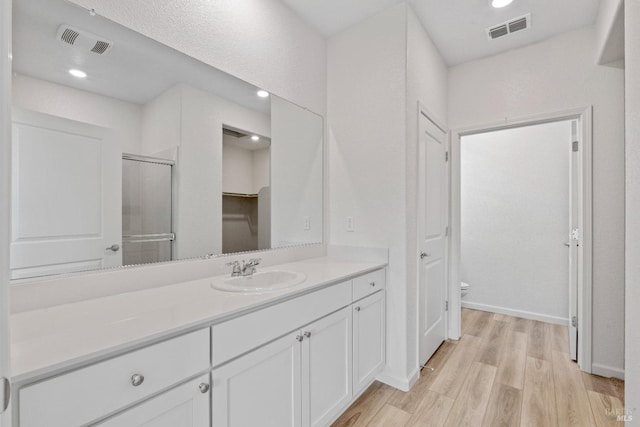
point(368, 284)
point(89, 393)
point(238, 336)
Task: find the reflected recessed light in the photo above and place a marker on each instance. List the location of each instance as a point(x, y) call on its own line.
point(263, 93)
point(255, 138)
point(78, 73)
point(500, 3)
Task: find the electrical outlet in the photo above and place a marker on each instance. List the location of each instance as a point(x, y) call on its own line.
point(307, 223)
point(349, 224)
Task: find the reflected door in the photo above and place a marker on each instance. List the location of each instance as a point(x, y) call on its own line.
point(432, 214)
point(147, 231)
point(66, 183)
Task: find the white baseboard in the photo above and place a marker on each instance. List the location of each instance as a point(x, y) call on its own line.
point(403, 384)
point(607, 371)
point(516, 313)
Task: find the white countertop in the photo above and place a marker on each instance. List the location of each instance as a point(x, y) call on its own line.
point(47, 341)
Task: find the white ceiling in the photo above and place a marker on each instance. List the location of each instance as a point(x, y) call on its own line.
point(457, 27)
point(137, 69)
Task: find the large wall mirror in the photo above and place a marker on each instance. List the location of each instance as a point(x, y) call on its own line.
point(126, 151)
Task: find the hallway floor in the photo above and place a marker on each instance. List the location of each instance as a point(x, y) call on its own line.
point(504, 371)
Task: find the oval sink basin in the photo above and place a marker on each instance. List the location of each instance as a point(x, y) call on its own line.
point(264, 281)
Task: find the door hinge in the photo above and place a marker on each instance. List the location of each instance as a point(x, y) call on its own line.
point(575, 146)
point(5, 394)
point(446, 231)
point(446, 156)
point(446, 306)
point(574, 321)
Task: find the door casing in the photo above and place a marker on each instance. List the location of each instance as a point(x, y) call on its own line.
point(585, 220)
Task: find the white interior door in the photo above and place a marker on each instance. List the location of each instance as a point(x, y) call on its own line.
point(573, 241)
point(66, 196)
point(432, 239)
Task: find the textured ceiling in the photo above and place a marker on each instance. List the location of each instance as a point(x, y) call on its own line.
point(457, 27)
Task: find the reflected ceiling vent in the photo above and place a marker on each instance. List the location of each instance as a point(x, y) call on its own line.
point(83, 40)
point(509, 27)
point(227, 131)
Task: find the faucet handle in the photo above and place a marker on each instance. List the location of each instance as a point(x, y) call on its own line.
point(255, 261)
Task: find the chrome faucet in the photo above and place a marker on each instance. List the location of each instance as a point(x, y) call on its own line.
point(248, 268)
point(236, 271)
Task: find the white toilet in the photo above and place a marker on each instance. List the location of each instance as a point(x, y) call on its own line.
point(464, 289)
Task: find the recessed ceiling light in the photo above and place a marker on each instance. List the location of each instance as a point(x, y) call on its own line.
point(255, 138)
point(263, 93)
point(500, 3)
point(78, 73)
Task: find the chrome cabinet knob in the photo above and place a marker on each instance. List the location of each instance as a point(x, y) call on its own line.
point(204, 387)
point(372, 284)
point(137, 379)
point(299, 338)
point(423, 255)
point(114, 248)
point(307, 334)
point(357, 308)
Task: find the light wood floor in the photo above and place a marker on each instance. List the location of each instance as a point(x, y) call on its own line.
point(504, 371)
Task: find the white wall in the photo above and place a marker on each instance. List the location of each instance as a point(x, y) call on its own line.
point(632, 237)
point(373, 141)
point(124, 118)
point(243, 171)
point(610, 31)
point(515, 220)
point(559, 74)
point(161, 126)
point(260, 41)
point(296, 174)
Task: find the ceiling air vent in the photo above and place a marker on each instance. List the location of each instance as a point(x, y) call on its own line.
point(509, 27)
point(83, 39)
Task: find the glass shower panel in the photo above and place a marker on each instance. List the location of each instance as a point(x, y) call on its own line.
point(147, 233)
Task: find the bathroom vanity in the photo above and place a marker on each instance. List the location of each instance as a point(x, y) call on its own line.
point(191, 355)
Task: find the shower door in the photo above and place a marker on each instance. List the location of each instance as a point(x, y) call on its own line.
point(147, 230)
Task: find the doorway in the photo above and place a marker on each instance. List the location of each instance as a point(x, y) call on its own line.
point(521, 221)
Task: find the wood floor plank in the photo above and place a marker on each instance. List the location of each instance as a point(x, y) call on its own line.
point(609, 386)
point(453, 373)
point(503, 409)
point(409, 401)
point(493, 343)
point(513, 360)
point(502, 317)
point(539, 345)
point(572, 401)
point(559, 337)
point(471, 405)
point(521, 325)
point(467, 318)
point(366, 407)
point(390, 416)
point(479, 327)
point(538, 400)
point(606, 409)
point(432, 411)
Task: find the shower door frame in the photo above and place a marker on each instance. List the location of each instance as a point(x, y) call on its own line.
point(145, 238)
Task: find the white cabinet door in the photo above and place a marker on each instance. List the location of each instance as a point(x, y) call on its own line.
point(326, 368)
point(368, 340)
point(184, 406)
point(261, 388)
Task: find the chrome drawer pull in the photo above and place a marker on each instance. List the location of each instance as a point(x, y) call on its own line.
point(204, 387)
point(357, 308)
point(137, 379)
point(372, 284)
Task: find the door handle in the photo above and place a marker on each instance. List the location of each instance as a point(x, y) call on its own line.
point(568, 245)
point(114, 248)
point(424, 255)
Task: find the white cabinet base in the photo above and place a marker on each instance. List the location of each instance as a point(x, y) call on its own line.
point(368, 340)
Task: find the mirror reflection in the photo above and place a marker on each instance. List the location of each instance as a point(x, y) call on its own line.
point(129, 152)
